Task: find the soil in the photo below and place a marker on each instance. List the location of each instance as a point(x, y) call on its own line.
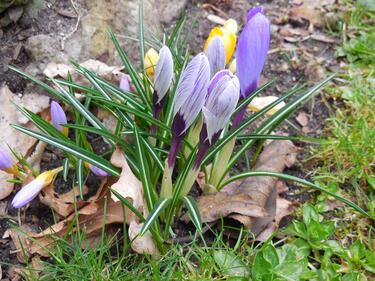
point(289, 67)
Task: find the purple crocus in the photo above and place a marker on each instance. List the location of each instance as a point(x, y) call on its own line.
point(162, 81)
point(163, 74)
point(189, 100)
point(97, 171)
point(7, 163)
point(28, 192)
point(58, 117)
point(124, 84)
point(252, 48)
point(221, 101)
point(216, 55)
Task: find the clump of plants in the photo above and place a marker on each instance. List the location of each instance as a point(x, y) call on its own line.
point(176, 116)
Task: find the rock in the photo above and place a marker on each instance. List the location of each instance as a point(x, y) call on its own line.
point(170, 9)
point(44, 49)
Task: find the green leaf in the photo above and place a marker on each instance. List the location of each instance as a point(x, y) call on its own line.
point(144, 171)
point(230, 264)
point(72, 149)
point(154, 214)
point(65, 169)
point(130, 69)
point(193, 211)
point(79, 173)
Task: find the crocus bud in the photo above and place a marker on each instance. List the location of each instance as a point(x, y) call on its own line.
point(163, 74)
point(221, 101)
point(32, 189)
point(124, 83)
point(97, 171)
point(189, 99)
point(253, 45)
point(58, 117)
point(227, 35)
point(151, 59)
point(7, 163)
point(222, 98)
point(252, 49)
point(216, 55)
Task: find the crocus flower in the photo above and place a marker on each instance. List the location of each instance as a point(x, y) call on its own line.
point(97, 171)
point(221, 101)
point(124, 84)
point(189, 99)
point(32, 189)
point(252, 48)
point(163, 74)
point(150, 61)
point(227, 35)
point(216, 55)
point(7, 163)
point(58, 117)
point(162, 81)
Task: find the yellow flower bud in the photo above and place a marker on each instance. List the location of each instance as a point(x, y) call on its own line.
point(151, 58)
point(231, 26)
point(258, 103)
point(227, 36)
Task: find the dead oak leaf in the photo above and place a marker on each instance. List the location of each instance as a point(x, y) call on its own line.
point(259, 193)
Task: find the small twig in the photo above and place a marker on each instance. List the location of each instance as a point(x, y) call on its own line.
point(75, 27)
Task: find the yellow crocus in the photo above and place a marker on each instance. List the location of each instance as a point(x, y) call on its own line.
point(151, 58)
point(227, 34)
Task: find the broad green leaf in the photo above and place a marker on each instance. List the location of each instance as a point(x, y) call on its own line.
point(230, 264)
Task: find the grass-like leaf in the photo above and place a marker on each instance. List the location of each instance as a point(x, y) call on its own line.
point(72, 149)
point(154, 214)
point(193, 211)
point(79, 173)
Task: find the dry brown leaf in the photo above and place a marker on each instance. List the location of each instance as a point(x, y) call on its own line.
point(109, 73)
point(107, 118)
point(303, 119)
point(128, 184)
point(260, 193)
point(141, 244)
point(9, 114)
point(130, 188)
point(62, 204)
point(20, 240)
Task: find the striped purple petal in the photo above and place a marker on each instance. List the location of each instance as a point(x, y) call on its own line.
point(252, 49)
point(216, 55)
point(221, 103)
point(163, 73)
point(6, 160)
point(58, 116)
point(191, 91)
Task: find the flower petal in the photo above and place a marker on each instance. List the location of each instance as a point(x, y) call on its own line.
point(6, 160)
point(27, 193)
point(216, 55)
point(255, 10)
point(58, 116)
point(252, 49)
point(97, 171)
point(163, 73)
point(124, 84)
